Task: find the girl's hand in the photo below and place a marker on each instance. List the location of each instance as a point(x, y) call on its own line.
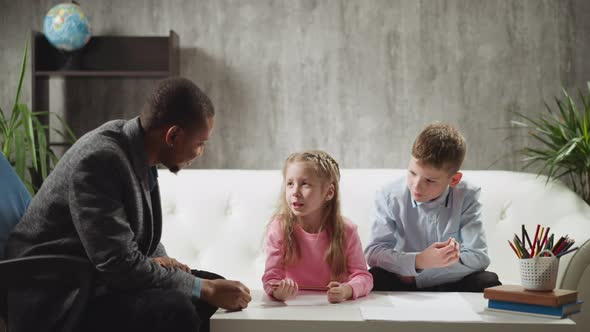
point(285, 289)
point(338, 292)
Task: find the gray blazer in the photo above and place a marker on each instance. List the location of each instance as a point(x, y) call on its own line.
point(96, 204)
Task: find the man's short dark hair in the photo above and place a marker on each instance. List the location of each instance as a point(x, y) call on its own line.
point(176, 101)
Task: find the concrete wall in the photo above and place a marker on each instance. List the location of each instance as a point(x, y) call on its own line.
point(358, 79)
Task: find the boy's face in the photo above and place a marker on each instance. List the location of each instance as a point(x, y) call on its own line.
point(427, 183)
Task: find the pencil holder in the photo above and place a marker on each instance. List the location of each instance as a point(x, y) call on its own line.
point(539, 273)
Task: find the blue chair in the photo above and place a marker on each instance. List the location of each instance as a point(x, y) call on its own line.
point(40, 270)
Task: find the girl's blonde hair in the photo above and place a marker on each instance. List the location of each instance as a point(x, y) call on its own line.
point(326, 168)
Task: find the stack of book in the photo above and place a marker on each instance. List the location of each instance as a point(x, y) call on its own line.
point(558, 303)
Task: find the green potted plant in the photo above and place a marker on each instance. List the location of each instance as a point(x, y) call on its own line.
point(23, 139)
point(562, 139)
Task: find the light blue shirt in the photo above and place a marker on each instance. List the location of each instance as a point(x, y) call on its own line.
point(402, 229)
point(197, 288)
point(14, 200)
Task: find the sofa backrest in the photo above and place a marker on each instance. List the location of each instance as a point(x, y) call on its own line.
point(216, 219)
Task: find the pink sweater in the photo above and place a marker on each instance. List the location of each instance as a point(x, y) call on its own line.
point(311, 269)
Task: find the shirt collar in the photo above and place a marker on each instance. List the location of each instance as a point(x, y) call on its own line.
point(442, 200)
point(152, 177)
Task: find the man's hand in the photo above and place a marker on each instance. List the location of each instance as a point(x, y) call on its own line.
point(226, 294)
point(438, 254)
point(285, 289)
point(338, 292)
point(171, 263)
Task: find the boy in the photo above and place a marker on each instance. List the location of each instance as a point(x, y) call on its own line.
point(428, 234)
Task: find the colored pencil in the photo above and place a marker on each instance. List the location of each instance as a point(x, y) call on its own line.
point(561, 246)
point(568, 244)
point(524, 252)
point(548, 243)
point(515, 251)
point(544, 241)
point(567, 252)
point(535, 241)
point(557, 244)
point(526, 234)
point(518, 246)
point(522, 233)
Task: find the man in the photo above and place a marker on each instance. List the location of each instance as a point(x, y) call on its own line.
point(102, 202)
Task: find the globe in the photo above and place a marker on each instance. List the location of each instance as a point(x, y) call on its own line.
point(66, 27)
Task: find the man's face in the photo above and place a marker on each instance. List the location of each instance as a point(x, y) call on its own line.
point(427, 183)
point(183, 146)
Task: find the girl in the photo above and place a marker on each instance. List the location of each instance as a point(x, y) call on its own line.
point(309, 244)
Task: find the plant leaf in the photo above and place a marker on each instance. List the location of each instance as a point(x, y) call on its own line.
point(23, 68)
point(72, 137)
point(42, 139)
point(30, 136)
point(20, 157)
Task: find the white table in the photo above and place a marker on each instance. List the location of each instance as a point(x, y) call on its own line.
point(310, 311)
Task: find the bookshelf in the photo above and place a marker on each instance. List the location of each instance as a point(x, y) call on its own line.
point(151, 57)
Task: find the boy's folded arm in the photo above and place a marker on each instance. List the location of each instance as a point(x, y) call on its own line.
point(476, 260)
point(381, 249)
point(385, 257)
point(442, 275)
point(474, 248)
point(473, 253)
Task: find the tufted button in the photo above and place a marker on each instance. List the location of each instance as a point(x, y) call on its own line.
point(228, 208)
point(170, 208)
point(503, 212)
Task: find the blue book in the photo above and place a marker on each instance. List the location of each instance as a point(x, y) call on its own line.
point(534, 309)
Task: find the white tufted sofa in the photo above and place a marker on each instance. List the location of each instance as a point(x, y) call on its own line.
point(216, 219)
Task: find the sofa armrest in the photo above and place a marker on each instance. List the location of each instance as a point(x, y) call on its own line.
point(577, 277)
point(44, 270)
point(576, 267)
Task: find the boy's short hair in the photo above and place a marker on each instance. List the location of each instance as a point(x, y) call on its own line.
point(441, 146)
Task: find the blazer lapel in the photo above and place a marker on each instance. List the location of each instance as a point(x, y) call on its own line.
point(141, 168)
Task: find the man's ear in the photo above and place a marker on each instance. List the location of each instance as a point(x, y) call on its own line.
point(330, 192)
point(455, 179)
point(170, 135)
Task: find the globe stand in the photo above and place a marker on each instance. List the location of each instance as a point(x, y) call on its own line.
point(72, 60)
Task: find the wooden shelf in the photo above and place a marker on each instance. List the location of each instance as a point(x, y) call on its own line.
point(109, 56)
point(102, 73)
point(151, 57)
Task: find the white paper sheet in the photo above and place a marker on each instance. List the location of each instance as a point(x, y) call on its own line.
point(303, 298)
point(425, 307)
